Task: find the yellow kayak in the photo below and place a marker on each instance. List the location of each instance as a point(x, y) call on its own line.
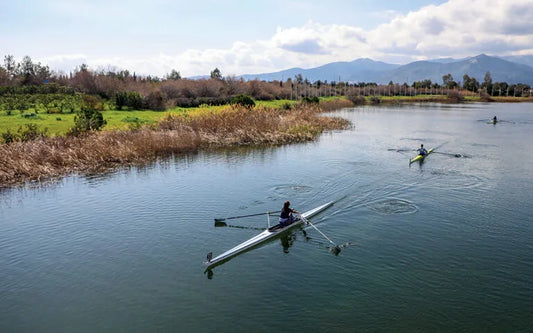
point(420, 157)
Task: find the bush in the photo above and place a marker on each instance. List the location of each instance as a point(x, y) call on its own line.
point(355, 98)
point(243, 100)
point(310, 100)
point(30, 115)
point(28, 132)
point(9, 137)
point(92, 102)
point(130, 99)
point(87, 120)
point(375, 100)
point(286, 106)
point(455, 97)
point(155, 101)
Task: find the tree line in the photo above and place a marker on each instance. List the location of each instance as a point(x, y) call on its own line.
point(124, 89)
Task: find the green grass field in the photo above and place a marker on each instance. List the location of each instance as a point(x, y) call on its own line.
point(59, 124)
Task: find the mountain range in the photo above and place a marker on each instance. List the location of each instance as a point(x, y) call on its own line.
point(518, 69)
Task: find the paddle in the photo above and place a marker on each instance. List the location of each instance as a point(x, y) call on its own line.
point(449, 154)
point(241, 216)
point(224, 224)
point(337, 249)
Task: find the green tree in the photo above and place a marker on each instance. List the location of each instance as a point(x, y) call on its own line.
point(88, 119)
point(216, 74)
point(243, 100)
point(487, 83)
point(448, 82)
point(175, 75)
point(470, 83)
point(10, 65)
point(499, 88)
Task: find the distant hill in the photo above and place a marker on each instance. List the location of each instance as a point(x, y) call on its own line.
point(367, 70)
point(359, 70)
point(524, 59)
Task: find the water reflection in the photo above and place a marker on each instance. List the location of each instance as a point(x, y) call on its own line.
point(286, 239)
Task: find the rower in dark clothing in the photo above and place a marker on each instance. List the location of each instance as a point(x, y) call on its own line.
point(286, 217)
point(422, 151)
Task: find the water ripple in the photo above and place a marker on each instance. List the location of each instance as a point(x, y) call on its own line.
point(391, 206)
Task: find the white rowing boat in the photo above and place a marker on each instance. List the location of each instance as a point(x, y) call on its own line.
point(262, 237)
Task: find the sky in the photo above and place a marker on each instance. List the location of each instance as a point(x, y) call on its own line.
point(257, 36)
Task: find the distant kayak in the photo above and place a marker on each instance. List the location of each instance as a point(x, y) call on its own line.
point(420, 157)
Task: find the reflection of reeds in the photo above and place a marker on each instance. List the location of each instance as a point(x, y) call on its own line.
point(42, 159)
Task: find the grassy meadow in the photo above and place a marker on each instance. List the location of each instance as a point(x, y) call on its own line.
point(59, 124)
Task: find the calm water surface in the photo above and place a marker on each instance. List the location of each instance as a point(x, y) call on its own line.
point(446, 245)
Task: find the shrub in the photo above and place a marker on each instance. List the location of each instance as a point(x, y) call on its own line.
point(375, 100)
point(92, 102)
point(310, 100)
point(243, 100)
point(87, 120)
point(155, 101)
point(455, 97)
point(130, 99)
point(9, 137)
point(286, 106)
point(355, 98)
point(28, 132)
point(30, 115)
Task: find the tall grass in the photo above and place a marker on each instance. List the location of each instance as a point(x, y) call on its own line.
point(101, 151)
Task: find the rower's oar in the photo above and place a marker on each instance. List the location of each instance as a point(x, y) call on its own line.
point(241, 216)
point(337, 249)
point(449, 154)
point(224, 224)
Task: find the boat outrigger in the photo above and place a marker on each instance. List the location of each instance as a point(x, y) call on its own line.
point(420, 157)
point(264, 236)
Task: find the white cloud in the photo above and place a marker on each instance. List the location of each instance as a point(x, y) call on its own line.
point(457, 28)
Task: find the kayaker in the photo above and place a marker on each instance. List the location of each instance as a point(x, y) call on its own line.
point(422, 151)
point(494, 119)
point(286, 217)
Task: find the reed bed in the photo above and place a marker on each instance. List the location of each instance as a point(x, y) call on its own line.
point(102, 151)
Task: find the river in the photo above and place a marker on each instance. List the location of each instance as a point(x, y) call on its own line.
point(445, 245)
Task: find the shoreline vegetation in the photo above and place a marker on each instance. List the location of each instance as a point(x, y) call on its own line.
point(48, 158)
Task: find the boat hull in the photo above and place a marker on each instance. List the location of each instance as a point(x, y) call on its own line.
point(420, 157)
point(263, 237)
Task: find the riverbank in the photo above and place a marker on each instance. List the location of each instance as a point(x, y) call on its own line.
point(97, 152)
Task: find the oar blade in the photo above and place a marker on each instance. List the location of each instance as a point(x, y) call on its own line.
point(335, 250)
point(219, 223)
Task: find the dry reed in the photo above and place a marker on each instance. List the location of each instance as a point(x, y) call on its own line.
point(101, 151)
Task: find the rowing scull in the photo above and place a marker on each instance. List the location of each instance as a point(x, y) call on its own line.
point(420, 157)
point(265, 235)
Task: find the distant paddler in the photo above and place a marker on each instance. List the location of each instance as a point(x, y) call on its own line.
point(494, 120)
point(422, 151)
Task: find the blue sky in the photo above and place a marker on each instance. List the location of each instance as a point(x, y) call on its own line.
point(238, 37)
